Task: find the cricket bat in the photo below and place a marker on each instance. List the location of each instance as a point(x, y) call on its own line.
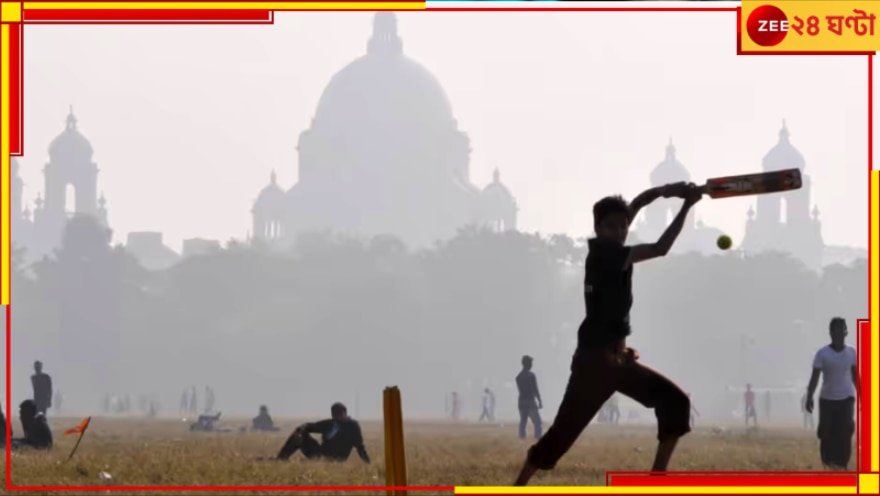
point(753, 184)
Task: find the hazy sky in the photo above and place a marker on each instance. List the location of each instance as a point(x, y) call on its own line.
point(188, 121)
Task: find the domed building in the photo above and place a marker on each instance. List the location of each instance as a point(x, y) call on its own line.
point(695, 236)
point(70, 171)
point(786, 222)
point(383, 155)
point(269, 210)
point(20, 225)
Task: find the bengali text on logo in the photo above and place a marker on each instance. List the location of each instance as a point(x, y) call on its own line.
point(807, 26)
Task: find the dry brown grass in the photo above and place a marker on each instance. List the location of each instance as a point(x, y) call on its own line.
point(140, 452)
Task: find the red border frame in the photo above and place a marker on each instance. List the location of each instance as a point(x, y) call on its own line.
point(632, 479)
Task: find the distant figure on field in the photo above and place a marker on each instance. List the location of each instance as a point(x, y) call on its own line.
point(749, 400)
point(339, 435)
point(808, 416)
point(193, 401)
point(205, 423)
point(613, 410)
point(184, 402)
point(837, 366)
point(263, 421)
point(42, 384)
point(694, 413)
point(37, 434)
point(488, 406)
point(456, 406)
point(768, 407)
point(3, 423)
point(58, 399)
point(529, 401)
point(209, 399)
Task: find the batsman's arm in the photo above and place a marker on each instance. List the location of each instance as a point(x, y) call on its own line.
point(644, 199)
point(647, 251)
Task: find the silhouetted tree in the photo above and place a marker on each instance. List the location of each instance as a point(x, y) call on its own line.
point(335, 315)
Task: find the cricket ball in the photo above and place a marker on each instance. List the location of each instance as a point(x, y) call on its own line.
point(724, 242)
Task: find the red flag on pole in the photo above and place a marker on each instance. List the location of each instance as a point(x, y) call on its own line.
point(79, 429)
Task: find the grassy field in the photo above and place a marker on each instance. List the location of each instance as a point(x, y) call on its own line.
point(164, 452)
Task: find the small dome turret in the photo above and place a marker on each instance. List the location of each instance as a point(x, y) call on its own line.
point(783, 155)
point(271, 198)
point(496, 191)
point(670, 170)
point(70, 143)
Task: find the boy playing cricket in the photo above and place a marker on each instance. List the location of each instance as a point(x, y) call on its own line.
point(602, 363)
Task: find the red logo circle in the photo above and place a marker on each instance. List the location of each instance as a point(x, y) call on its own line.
point(767, 25)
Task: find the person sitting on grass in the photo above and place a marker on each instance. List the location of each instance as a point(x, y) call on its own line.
point(37, 434)
point(339, 434)
point(205, 423)
point(263, 421)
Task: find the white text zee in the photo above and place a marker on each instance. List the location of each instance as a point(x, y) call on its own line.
point(772, 26)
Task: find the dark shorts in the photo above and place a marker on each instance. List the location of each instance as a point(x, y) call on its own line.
point(596, 374)
point(836, 428)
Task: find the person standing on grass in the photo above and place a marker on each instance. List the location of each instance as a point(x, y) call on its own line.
point(209, 399)
point(749, 400)
point(455, 401)
point(42, 384)
point(193, 401)
point(602, 362)
point(59, 397)
point(3, 423)
point(529, 401)
point(836, 364)
point(488, 406)
point(694, 412)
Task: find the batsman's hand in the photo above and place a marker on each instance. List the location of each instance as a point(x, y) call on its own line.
point(674, 190)
point(808, 406)
point(692, 194)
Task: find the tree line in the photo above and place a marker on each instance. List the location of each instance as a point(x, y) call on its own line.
point(337, 318)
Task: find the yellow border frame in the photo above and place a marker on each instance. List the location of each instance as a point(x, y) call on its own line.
point(11, 12)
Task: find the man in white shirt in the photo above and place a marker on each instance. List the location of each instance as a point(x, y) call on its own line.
point(837, 365)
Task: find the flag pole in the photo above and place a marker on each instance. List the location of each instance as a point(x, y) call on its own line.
point(79, 439)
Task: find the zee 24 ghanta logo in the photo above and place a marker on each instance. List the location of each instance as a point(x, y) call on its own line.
point(768, 25)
